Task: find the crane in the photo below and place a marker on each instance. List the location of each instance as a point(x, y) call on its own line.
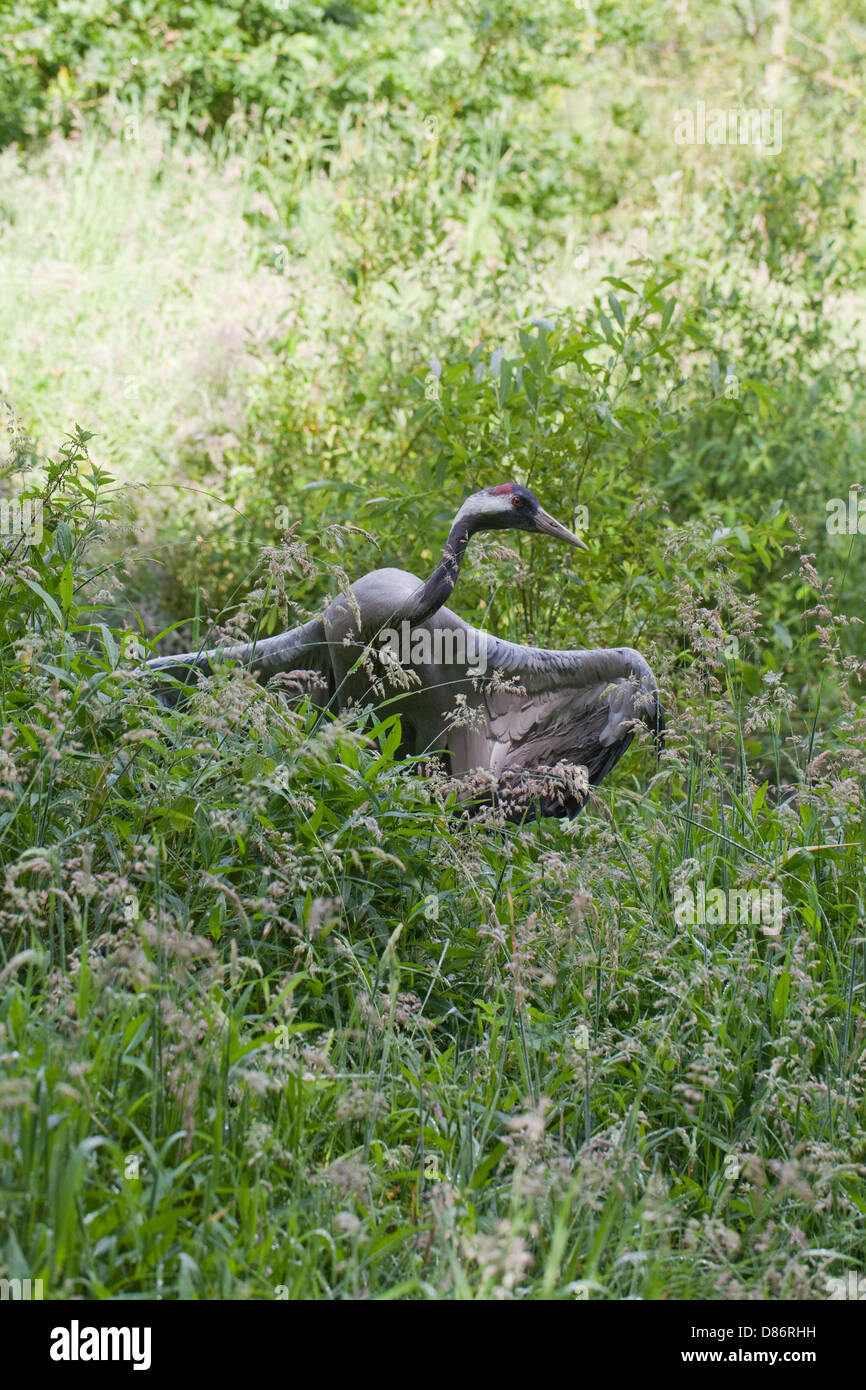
point(529, 728)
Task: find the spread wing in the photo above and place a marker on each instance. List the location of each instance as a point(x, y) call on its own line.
point(301, 658)
point(581, 707)
point(539, 725)
point(536, 715)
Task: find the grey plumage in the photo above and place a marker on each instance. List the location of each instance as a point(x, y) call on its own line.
point(529, 725)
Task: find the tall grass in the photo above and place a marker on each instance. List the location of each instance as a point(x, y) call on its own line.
point(277, 1023)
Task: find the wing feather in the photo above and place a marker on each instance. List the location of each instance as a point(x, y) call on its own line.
point(300, 651)
point(546, 709)
point(578, 706)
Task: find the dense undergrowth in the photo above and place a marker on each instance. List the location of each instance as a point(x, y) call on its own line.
point(274, 1020)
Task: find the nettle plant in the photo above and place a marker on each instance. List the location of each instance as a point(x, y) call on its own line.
point(51, 572)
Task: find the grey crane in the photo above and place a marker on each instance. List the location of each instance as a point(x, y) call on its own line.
point(534, 727)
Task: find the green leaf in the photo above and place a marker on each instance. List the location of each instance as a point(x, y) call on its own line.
point(46, 598)
point(112, 651)
point(67, 585)
point(63, 539)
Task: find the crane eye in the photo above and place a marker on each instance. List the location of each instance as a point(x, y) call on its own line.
point(518, 501)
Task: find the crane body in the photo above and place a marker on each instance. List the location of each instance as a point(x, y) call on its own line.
point(539, 725)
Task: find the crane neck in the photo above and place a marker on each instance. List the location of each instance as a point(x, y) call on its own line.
point(432, 595)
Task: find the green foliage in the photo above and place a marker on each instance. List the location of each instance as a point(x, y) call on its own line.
point(276, 1024)
point(274, 1020)
point(202, 62)
point(203, 57)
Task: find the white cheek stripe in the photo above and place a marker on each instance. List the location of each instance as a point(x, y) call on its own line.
point(486, 503)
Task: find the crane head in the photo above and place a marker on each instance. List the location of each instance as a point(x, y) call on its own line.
point(513, 507)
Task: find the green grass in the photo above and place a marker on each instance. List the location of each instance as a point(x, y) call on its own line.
point(122, 309)
point(274, 1021)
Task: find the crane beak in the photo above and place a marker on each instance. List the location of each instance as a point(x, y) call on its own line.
point(549, 526)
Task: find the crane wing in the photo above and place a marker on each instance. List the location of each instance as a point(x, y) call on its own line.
point(539, 726)
point(301, 656)
point(546, 712)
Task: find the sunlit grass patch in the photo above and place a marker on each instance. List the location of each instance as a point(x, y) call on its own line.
point(133, 298)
